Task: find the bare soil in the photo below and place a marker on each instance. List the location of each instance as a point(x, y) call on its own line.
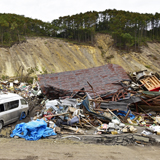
point(51, 149)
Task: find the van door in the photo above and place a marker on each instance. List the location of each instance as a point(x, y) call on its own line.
point(12, 110)
point(24, 106)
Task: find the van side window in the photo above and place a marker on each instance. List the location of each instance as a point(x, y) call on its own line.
point(23, 102)
point(14, 104)
point(11, 105)
point(1, 107)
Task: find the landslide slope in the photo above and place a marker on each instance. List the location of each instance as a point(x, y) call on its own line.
point(55, 55)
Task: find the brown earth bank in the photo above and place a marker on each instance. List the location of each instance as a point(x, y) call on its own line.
point(48, 55)
point(51, 149)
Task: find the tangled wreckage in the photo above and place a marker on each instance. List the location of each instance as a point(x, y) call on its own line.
point(100, 101)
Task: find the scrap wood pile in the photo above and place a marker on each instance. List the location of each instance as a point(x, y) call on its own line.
point(136, 103)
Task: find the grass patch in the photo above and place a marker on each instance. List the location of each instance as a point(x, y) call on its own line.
point(148, 66)
point(110, 57)
point(100, 47)
point(103, 53)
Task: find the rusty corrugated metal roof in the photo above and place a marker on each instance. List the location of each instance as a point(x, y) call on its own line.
point(65, 83)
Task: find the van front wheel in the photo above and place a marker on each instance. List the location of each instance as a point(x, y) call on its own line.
point(1, 125)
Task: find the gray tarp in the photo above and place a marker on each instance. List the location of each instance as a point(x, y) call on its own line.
point(121, 104)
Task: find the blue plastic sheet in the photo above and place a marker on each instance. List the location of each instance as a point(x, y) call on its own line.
point(33, 130)
point(23, 115)
point(123, 113)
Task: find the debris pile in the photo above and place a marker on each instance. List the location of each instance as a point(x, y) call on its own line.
point(22, 88)
point(92, 102)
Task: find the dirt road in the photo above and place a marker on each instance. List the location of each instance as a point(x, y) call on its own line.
point(52, 149)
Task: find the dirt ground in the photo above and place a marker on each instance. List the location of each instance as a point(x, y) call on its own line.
point(52, 149)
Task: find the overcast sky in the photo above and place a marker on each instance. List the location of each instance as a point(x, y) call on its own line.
point(48, 10)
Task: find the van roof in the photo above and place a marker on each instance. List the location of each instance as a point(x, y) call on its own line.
point(8, 96)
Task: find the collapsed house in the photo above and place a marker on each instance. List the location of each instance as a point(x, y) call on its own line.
point(112, 96)
point(103, 79)
point(103, 99)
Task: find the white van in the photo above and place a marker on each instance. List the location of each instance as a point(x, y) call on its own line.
point(11, 107)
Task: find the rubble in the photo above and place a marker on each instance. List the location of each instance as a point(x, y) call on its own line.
point(69, 83)
point(90, 107)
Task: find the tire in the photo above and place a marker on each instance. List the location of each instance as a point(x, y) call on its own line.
point(1, 125)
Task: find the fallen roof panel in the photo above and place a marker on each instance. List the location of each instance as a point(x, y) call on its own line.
point(101, 78)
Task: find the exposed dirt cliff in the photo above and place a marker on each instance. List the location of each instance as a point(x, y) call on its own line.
point(55, 55)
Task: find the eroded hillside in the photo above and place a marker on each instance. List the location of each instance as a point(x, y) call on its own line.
point(54, 55)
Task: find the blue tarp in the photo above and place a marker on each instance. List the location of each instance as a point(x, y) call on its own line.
point(23, 115)
point(33, 130)
point(123, 113)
